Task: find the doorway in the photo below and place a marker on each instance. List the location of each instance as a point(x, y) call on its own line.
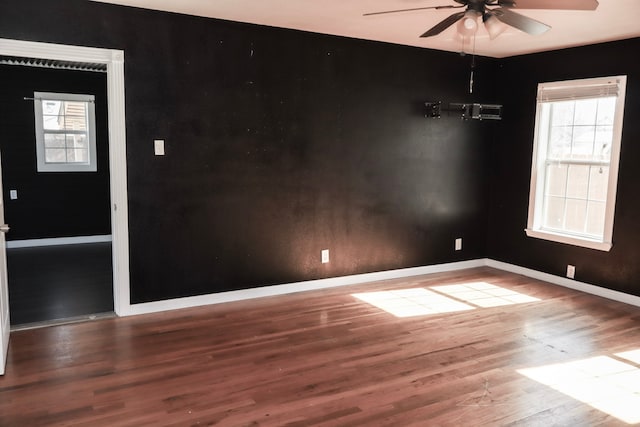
point(114, 62)
point(58, 261)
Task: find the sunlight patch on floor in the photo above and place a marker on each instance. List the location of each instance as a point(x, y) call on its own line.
point(633, 356)
point(412, 302)
point(604, 383)
point(484, 294)
point(442, 299)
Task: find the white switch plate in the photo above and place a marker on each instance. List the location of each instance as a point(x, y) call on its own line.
point(158, 147)
point(325, 256)
point(459, 244)
point(13, 194)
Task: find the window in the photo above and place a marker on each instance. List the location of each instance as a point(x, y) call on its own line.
point(575, 161)
point(65, 132)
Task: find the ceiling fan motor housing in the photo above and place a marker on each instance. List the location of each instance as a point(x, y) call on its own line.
point(476, 5)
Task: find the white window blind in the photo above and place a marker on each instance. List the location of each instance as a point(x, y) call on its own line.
point(582, 89)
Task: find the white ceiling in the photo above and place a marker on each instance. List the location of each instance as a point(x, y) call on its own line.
point(613, 20)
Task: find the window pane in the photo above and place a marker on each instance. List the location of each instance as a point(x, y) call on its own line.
point(77, 155)
point(55, 155)
point(578, 181)
point(604, 139)
point(556, 180)
point(595, 218)
point(51, 107)
point(53, 122)
point(562, 113)
point(586, 110)
point(606, 110)
point(75, 108)
point(77, 141)
point(598, 181)
point(53, 140)
point(75, 115)
point(554, 212)
point(560, 142)
point(583, 138)
point(576, 215)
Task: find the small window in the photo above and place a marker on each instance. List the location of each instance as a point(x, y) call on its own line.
point(65, 132)
point(575, 161)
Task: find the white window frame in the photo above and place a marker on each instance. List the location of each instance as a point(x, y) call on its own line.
point(567, 90)
point(42, 165)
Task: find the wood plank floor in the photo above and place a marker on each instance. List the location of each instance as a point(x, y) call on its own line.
point(327, 358)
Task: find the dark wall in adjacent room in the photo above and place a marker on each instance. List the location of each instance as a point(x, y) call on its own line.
point(618, 269)
point(50, 204)
point(280, 144)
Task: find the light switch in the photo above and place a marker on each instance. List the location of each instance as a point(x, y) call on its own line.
point(458, 244)
point(158, 147)
point(13, 194)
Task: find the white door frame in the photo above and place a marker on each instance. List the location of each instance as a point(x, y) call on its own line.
point(114, 59)
point(4, 290)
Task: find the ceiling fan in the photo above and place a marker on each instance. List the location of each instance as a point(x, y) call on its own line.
point(495, 11)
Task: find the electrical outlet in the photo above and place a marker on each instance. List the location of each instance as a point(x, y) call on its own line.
point(459, 244)
point(324, 255)
point(13, 194)
point(571, 271)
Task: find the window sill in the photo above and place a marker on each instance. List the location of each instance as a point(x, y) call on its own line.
point(569, 240)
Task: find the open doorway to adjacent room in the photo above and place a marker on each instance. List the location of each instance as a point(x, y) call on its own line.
point(59, 252)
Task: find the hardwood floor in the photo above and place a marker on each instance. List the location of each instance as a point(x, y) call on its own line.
point(328, 358)
point(59, 282)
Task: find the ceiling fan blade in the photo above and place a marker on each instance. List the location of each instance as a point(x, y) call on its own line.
point(521, 22)
point(411, 10)
point(552, 4)
point(443, 25)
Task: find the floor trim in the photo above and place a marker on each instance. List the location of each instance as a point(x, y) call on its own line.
point(64, 321)
point(567, 283)
point(265, 291)
point(55, 241)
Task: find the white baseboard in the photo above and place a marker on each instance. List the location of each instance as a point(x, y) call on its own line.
point(31, 243)
point(567, 283)
point(265, 291)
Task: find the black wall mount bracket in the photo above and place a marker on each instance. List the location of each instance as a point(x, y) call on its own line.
point(474, 111)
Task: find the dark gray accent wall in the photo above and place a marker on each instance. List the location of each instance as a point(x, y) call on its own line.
point(618, 269)
point(50, 204)
point(280, 144)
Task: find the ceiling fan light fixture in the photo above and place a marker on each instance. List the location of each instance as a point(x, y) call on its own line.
point(468, 25)
point(493, 25)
